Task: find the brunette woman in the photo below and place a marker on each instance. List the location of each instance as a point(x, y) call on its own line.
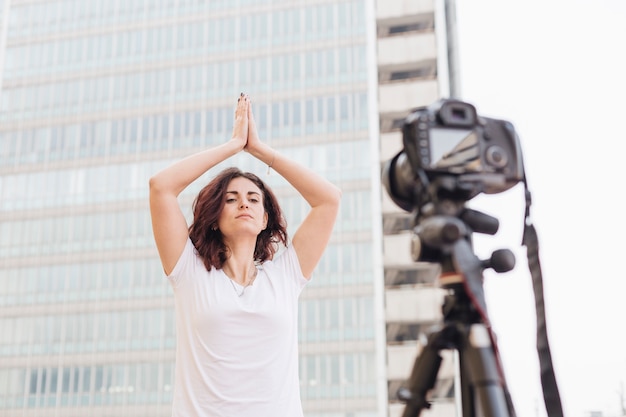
point(236, 277)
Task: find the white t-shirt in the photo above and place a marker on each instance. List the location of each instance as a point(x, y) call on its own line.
point(236, 356)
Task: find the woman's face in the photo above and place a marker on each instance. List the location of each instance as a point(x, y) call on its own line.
point(243, 213)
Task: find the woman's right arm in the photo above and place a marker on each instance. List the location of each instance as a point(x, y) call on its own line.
point(169, 226)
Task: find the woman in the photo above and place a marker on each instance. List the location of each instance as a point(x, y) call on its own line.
point(236, 303)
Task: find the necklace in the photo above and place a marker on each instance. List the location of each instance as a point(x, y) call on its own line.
point(243, 289)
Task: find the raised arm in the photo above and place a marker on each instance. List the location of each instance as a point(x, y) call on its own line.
point(312, 236)
point(169, 226)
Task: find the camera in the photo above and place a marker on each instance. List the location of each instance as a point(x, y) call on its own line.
point(452, 152)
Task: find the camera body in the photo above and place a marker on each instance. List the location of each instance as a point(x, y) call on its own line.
point(449, 148)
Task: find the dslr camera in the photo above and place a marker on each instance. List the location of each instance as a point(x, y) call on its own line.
point(452, 153)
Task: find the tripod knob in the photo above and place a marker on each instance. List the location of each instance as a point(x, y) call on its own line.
point(502, 260)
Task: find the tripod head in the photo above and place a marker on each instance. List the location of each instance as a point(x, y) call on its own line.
point(437, 227)
point(443, 235)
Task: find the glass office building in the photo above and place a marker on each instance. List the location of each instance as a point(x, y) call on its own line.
point(97, 95)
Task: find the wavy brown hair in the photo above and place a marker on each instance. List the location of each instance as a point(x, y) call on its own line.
point(207, 208)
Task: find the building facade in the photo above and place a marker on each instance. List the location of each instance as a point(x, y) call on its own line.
point(97, 95)
point(417, 64)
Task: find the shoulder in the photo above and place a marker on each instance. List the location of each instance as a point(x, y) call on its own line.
point(189, 264)
point(286, 263)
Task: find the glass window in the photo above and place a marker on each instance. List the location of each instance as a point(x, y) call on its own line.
point(308, 65)
point(209, 122)
point(330, 63)
point(275, 115)
point(320, 110)
point(295, 67)
point(32, 383)
point(286, 114)
point(276, 23)
point(330, 19)
point(261, 119)
point(335, 370)
point(344, 112)
point(54, 377)
point(180, 35)
point(330, 103)
point(312, 369)
point(145, 128)
point(296, 114)
point(86, 379)
point(244, 24)
point(107, 47)
point(151, 377)
point(318, 65)
point(177, 126)
point(165, 126)
point(288, 22)
point(344, 55)
point(263, 64)
point(229, 29)
point(197, 123)
point(220, 115)
point(262, 22)
point(276, 66)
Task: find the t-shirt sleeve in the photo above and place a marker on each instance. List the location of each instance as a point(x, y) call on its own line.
point(184, 265)
point(288, 262)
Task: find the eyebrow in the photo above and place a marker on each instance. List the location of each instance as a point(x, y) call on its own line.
point(248, 193)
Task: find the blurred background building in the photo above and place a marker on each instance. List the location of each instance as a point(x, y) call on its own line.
point(97, 95)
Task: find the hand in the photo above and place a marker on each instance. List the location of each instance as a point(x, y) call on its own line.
point(253, 142)
point(241, 126)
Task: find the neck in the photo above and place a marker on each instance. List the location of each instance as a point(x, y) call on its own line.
point(243, 273)
point(240, 263)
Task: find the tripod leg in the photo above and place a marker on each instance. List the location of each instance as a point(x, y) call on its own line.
point(479, 365)
point(422, 379)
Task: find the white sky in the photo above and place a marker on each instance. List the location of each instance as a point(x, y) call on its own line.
point(556, 69)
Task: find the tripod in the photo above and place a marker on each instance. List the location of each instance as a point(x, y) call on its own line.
point(446, 240)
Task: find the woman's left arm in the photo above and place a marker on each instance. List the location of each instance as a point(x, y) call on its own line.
point(312, 236)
